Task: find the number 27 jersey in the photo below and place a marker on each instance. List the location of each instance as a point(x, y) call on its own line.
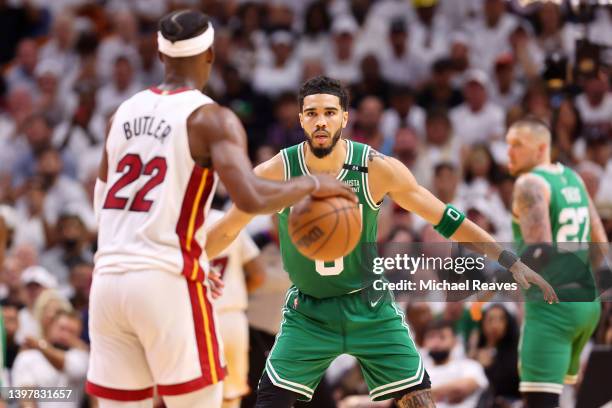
point(156, 197)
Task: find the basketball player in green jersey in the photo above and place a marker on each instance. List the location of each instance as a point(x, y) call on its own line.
point(332, 308)
point(551, 206)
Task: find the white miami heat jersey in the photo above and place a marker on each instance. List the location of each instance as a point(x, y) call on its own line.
point(156, 197)
point(230, 265)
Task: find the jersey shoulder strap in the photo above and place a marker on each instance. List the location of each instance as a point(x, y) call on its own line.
point(292, 161)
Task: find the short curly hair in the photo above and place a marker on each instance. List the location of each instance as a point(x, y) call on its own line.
point(324, 85)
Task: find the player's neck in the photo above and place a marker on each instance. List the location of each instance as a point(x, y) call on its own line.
point(330, 164)
point(174, 80)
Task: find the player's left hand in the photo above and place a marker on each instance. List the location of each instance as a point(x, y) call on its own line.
point(524, 275)
point(216, 284)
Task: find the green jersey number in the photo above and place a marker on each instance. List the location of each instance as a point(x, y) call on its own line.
point(573, 220)
point(338, 265)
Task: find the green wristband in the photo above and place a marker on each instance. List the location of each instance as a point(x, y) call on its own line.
point(451, 220)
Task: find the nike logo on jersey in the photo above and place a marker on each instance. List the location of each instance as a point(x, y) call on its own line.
point(373, 304)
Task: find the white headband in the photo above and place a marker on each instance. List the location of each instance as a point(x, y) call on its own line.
point(186, 48)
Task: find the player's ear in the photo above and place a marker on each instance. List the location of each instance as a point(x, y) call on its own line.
point(344, 119)
point(301, 119)
point(210, 55)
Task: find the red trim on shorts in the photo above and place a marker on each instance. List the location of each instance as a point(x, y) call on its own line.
point(156, 90)
point(183, 388)
point(191, 203)
point(118, 395)
point(213, 328)
point(201, 333)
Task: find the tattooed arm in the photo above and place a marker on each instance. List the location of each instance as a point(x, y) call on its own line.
point(530, 205)
point(598, 236)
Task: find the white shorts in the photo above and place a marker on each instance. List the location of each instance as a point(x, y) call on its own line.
point(234, 328)
point(151, 328)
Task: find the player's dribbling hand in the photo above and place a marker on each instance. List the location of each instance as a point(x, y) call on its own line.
point(524, 275)
point(216, 284)
point(330, 187)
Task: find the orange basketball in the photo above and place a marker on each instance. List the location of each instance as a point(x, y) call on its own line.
point(325, 229)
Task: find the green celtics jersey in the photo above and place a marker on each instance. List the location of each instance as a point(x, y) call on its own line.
point(344, 275)
point(568, 268)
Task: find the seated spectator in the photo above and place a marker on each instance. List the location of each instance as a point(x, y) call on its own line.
point(456, 381)
point(22, 71)
point(372, 83)
point(81, 275)
point(506, 91)
point(342, 61)
point(282, 72)
point(35, 280)
point(440, 146)
point(440, 92)
point(285, 130)
point(496, 351)
point(71, 249)
point(122, 42)
point(477, 119)
point(122, 85)
point(38, 132)
point(366, 127)
point(56, 102)
point(595, 104)
point(59, 359)
point(402, 112)
point(400, 64)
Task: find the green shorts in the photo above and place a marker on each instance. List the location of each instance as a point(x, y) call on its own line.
point(367, 325)
point(552, 338)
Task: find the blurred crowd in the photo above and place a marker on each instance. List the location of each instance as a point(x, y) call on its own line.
point(434, 83)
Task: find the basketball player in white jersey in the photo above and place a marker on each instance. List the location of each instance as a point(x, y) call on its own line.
point(151, 319)
point(242, 271)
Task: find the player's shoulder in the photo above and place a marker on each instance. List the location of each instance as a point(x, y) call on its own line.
point(530, 186)
point(380, 164)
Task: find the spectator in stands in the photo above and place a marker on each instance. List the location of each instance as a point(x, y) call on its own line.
point(58, 360)
point(496, 351)
point(22, 71)
point(489, 36)
point(317, 22)
point(19, 108)
point(122, 86)
point(552, 35)
point(285, 131)
point(429, 32)
point(419, 317)
point(283, 71)
point(400, 64)
point(71, 249)
point(506, 91)
point(595, 104)
point(122, 43)
point(342, 62)
point(440, 146)
point(38, 132)
point(57, 103)
point(35, 279)
point(366, 127)
point(17, 20)
point(477, 119)
point(82, 134)
point(81, 275)
point(402, 112)
point(61, 47)
point(371, 84)
point(151, 70)
point(440, 92)
point(456, 381)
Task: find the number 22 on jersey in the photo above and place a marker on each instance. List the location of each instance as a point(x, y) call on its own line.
point(156, 168)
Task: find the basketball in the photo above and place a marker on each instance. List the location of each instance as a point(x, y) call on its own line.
point(325, 229)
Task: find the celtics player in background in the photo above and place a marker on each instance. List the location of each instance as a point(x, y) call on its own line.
point(332, 308)
point(551, 206)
